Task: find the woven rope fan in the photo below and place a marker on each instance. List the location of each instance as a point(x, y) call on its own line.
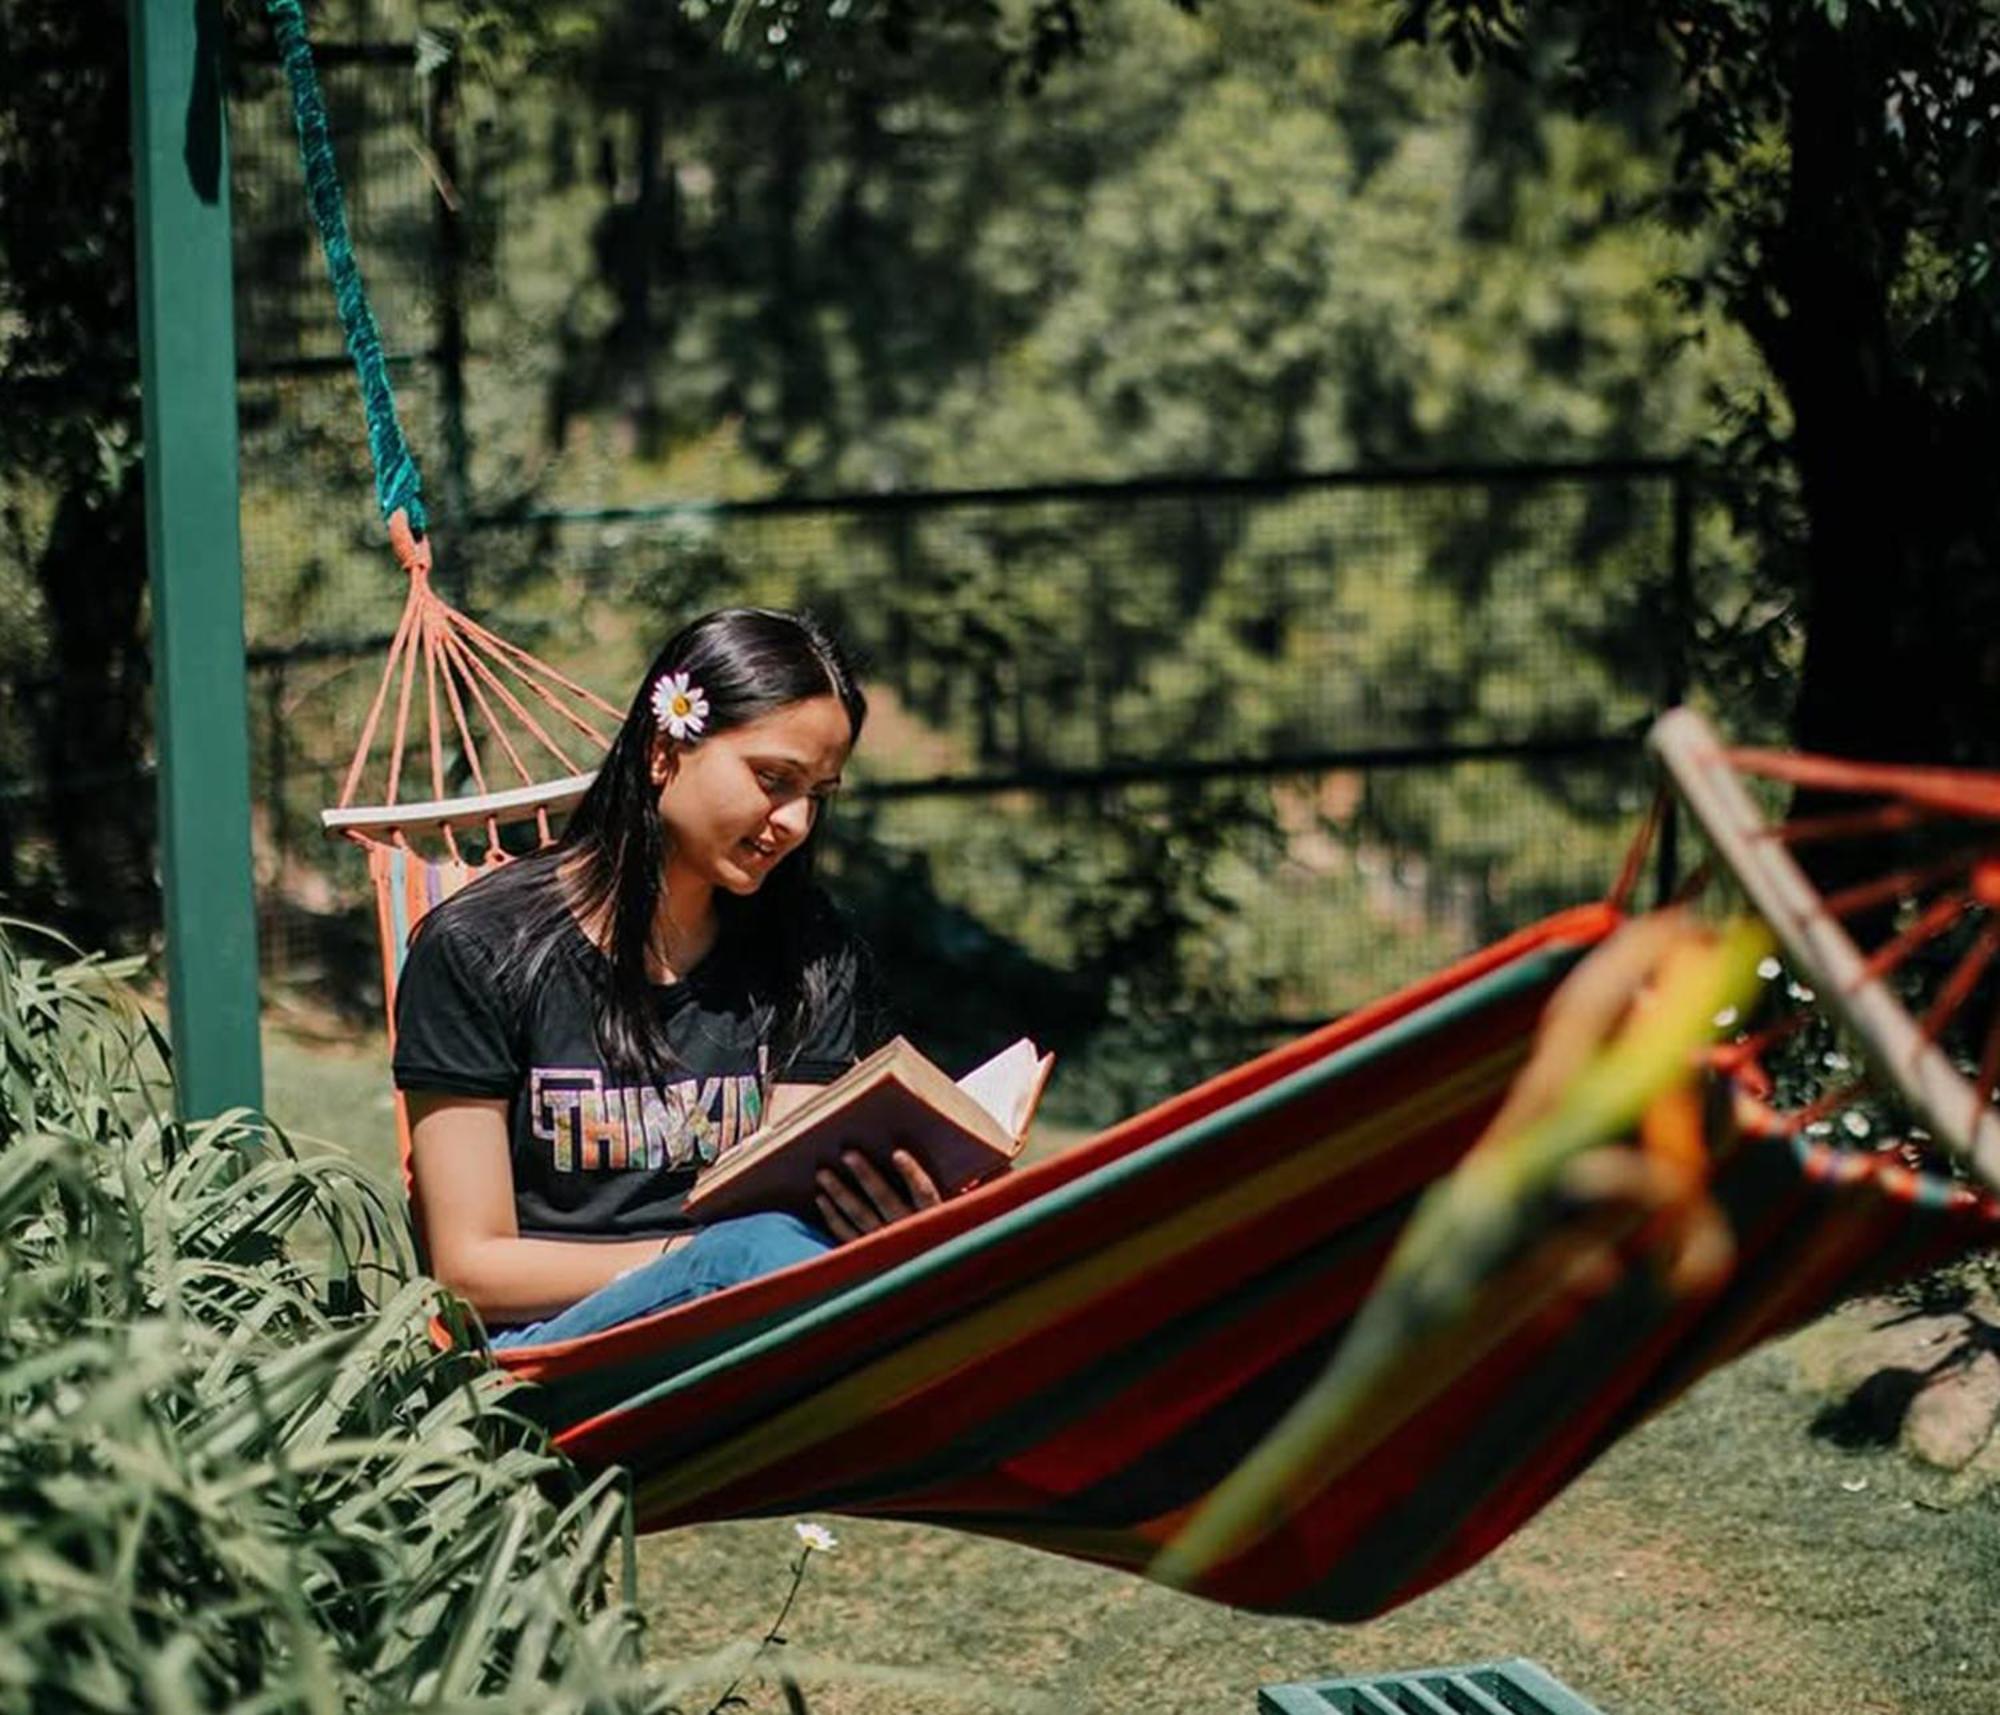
point(449, 679)
point(1952, 892)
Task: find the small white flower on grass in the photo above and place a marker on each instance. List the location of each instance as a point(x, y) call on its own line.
point(816, 1536)
point(679, 706)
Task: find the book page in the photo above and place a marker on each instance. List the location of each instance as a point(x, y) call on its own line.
point(1006, 1085)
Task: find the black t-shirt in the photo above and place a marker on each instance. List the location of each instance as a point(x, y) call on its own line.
point(595, 1154)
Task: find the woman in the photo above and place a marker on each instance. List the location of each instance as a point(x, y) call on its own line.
point(578, 1033)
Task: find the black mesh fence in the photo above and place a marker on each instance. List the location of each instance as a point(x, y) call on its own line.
point(321, 593)
point(1181, 767)
point(1158, 770)
point(313, 562)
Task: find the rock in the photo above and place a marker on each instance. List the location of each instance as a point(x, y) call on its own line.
point(1950, 1419)
point(1978, 1478)
point(1841, 1352)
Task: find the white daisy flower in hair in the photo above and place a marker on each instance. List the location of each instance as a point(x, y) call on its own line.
point(680, 706)
point(816, 1536)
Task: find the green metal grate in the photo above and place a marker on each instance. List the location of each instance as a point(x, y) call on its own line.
point(1516, 1687)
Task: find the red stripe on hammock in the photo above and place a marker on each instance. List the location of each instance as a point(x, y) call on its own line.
point(1707, 1333)
point(1332, 1529)
point(923, 1427)
point(1198, 1379)
point(911, 1430)
point(1693, 1339)
point(1336, 1522)
point(1165, 1403)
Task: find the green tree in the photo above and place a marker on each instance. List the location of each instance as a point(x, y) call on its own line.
point(1840, 157)
point(1243, 241)
point(70, 478)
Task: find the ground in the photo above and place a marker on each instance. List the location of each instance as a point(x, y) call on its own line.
point(1724, 1558)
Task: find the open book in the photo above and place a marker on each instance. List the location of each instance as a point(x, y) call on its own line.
point(895, 1099)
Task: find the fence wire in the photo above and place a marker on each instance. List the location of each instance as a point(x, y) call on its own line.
point(1162, 770)
point(1197, 763)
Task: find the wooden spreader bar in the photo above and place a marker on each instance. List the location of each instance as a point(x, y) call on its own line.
point(1819, 945)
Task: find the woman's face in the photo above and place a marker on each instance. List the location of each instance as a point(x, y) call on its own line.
point(736, 804)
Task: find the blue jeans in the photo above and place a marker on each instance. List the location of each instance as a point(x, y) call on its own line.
point(725, 1254)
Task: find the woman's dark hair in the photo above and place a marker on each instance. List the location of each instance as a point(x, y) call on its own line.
point(609, 864)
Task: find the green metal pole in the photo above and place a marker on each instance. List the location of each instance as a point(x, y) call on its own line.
point(187, 344)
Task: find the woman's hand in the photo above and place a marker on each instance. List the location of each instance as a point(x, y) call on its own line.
point(862, 1198)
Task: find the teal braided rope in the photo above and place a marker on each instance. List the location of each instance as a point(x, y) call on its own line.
point(398, 485)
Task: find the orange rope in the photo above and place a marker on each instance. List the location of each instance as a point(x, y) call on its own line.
point(467, 742)
point(456, 648)
point(396, 647)
point(1963, 980)
point(1864, 896)
point(502, 646)
point(1791, 1124)
point(402, 730)
point(1936, 919)
point(1948, 901)
point(413, 552)
point(1635, 854)
point(514, 704)
point(483, 642)
point(1882, 819)
point(1963, 791)
point(466, 662)
point(431, 706)
point(1732, 1056)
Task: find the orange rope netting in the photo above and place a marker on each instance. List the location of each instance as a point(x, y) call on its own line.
point(466, 671)
point(1953, 893)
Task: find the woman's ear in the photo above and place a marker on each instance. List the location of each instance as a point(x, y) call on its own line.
point(664, 761)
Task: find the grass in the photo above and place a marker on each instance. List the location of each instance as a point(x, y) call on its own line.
point(1717, 1560)
point(333, 1090)
point(1722, 1558)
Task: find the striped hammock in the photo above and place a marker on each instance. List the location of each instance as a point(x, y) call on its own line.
point(1076, 1355)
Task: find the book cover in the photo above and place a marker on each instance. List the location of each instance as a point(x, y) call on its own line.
point(895, 1099)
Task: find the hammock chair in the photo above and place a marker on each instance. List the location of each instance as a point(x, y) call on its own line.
point(1087, 1355)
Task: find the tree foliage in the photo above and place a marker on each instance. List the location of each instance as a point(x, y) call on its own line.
point(734, 249)
point(1839, 156)
point(72, 490)
point(1246, 242)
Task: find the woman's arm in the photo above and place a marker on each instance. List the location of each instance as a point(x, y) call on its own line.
point(464, 1185)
